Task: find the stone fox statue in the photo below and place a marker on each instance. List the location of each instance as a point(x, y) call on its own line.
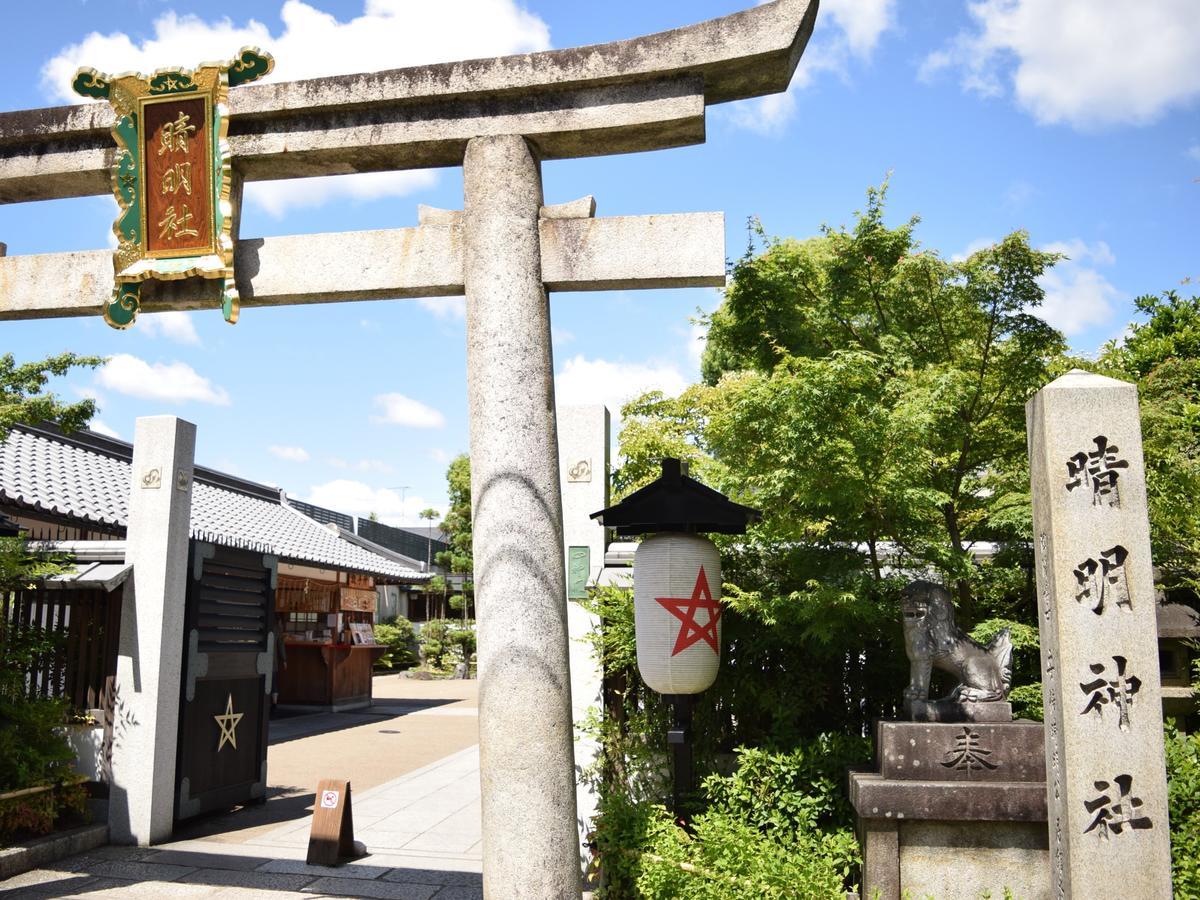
point(931, 640)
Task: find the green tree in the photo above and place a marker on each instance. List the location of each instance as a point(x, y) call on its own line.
point(457, 522)
point(428, 514)
point(33, 750)
point(1163, 355)
point(23, 395)
point(868, 395)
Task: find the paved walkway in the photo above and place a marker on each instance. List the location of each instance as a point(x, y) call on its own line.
point(421, 829)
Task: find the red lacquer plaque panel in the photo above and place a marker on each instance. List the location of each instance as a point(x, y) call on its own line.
point(176, 165)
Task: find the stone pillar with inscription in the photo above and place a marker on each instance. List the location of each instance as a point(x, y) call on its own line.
point(583, 453)
point(149, 657)
point(1106, 781)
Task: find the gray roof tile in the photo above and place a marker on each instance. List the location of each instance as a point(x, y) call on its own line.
point(62, 475)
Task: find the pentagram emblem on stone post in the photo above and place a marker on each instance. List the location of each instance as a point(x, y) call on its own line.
point(172, 176)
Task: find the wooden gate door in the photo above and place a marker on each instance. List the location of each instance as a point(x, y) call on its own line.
point(228, 654)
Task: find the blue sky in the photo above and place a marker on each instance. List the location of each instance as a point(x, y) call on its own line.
point(1073, 119)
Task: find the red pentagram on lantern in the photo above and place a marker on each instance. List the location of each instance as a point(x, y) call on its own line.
point(685, 609)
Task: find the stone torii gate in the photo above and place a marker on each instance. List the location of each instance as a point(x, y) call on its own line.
point(498, 118)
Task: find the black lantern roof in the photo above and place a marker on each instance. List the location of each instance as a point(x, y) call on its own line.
point(8, 528)
point(675, 502)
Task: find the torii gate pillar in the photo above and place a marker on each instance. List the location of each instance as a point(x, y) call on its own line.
point(526, 749)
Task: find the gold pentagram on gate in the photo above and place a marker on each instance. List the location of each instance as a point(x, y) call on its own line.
point(228, 724)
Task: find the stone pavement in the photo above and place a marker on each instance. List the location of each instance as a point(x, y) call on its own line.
point(421, 829)
point(422, 834)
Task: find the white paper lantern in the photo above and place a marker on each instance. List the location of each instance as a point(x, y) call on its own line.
point(677, 612)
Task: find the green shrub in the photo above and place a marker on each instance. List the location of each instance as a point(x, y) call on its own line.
point(463, 640)
point(35, 814)
point(434, 643)
point(803, 788)
point(397, 635)
point(445, 642)
point(33, 748)
point(1026, 700)
point(1183, 795)
point(779, 826)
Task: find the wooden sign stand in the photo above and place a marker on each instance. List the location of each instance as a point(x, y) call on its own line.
point(332, 837)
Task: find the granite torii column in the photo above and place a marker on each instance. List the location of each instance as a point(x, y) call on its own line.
point(526, 755)
point(498, 118)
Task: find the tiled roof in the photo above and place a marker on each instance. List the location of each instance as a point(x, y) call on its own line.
point(86, 476)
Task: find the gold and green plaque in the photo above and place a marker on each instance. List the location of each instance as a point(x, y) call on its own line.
point(171, 176)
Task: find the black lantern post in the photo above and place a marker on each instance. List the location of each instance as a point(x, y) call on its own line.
point(677, 590)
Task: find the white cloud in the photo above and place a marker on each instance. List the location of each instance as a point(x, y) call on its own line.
point(1077, 250)
point(174, 326)
point(770, 114)
point(401, 410)
point(862, 22)
point(846, 31)
point(230, 467)
point(586, 381)
point(101, 427)
point(359, 499)
point(445, 307)
point(277, 198)
point(974, 247)
point(697, 331)
point(561, 335)
point(1018, 194)
point(291, 454)
point(1194, 152)
point(1086, 63)
point(440, 456)
point(363, 465)
point(374, 465)
point(1078, 297)
point(387, 34)
point(175, 382)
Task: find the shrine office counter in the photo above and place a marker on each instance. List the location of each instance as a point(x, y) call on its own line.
point(323, 676)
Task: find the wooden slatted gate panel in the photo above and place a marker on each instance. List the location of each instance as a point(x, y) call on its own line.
point(228, 656)
point(81, 630)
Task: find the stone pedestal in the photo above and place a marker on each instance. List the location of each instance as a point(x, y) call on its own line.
point(956, 711)
point(953, 811)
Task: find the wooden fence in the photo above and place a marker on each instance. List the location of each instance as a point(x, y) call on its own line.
point(78, 631)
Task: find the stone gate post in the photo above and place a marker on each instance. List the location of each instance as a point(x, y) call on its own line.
point(150, 654)
point(525, 735)
point(1105, 772)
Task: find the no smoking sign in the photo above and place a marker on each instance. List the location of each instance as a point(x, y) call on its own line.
point(329, 800)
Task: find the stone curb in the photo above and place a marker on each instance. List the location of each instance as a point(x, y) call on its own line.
point(51, 848)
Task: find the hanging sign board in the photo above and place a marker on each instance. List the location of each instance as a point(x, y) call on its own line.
point(172, 176)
